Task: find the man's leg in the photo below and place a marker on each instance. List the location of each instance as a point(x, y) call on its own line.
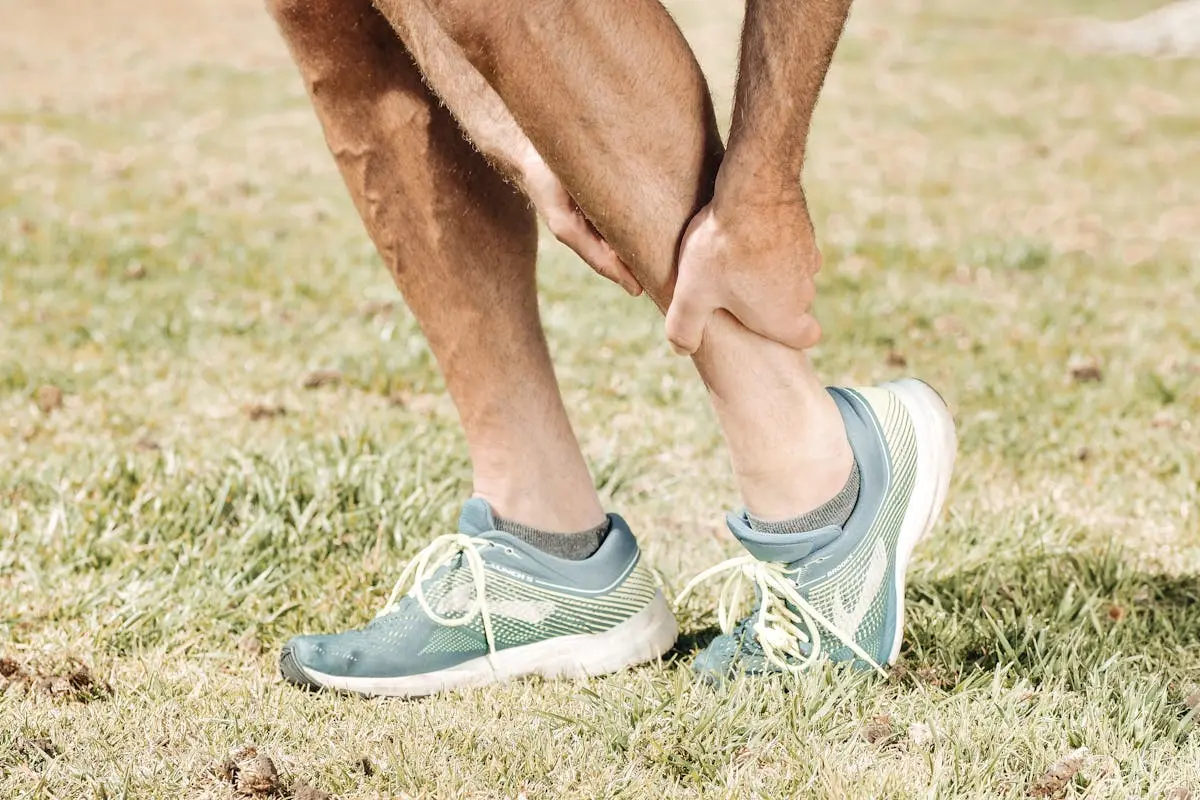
point(487, 603)
point(613, 98)
point(461, 246)
point(611, 95)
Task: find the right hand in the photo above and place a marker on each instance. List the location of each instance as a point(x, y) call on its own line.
point(754, 258)
point(568, 224)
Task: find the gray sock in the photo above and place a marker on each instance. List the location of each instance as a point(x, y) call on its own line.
point(573, 546)
point(834, 512)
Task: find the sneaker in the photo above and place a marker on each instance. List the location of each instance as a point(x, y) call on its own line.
point(485, 607)
point(837, 593)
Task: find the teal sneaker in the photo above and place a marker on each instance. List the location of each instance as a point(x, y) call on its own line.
point(837, 593)
point(485, 607)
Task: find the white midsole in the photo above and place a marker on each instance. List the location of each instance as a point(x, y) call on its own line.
point(936, 448)
point(645, 636)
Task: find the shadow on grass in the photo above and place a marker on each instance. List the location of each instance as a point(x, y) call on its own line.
point(1064, 617)
point(690, 642)
point(1042, 617)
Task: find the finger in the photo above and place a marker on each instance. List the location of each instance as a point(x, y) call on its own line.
point(614, 266)
point(573, 230)
point(788, 322)
point(688, 315)
point(797, 331)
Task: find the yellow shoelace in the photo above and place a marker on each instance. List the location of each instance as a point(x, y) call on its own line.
point(425, 563)
point(780, 630)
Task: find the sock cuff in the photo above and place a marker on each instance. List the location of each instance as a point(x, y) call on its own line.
point(575, 546)
point(833, 512)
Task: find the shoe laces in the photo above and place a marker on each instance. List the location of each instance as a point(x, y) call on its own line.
point(784, 620)
point(433, 557)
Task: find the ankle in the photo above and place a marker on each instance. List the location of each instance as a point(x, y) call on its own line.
point(787, 439)
point(546, 504)
point(790, 489)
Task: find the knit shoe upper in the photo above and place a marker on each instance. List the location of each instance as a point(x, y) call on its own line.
point(837, 593)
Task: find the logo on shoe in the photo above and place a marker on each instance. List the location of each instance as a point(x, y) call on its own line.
point(512, 573)
point(461, 600)
point(848, 620)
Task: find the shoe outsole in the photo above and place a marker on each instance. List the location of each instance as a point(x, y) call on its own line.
point(644, 637)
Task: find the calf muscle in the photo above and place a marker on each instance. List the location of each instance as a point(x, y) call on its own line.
point(461, 245)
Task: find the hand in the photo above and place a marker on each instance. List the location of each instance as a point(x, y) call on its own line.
point(755, 260)
point(568, 224)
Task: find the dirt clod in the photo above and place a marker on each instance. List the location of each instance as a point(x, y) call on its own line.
point(367, 767)
point(898, 674)
point(322, 377)
point(71, 681)
point(935, 677)
point(257, 777)
point(1085, 370)
point(1180, 793)
point(39, 747)
point(896, 359)
point(302, 791)
point(49, 398)
point(261, 411)
point(878, 730)
point(1055, 779)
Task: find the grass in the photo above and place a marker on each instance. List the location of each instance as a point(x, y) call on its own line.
point(1014, 221)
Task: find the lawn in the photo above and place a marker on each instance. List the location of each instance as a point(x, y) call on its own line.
point(219, 427)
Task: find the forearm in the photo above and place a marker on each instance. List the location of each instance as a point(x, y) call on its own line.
point(786, 49)
point(469, 97)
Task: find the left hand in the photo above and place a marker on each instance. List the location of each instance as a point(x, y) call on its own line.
point(755, 259)
point(568, 224)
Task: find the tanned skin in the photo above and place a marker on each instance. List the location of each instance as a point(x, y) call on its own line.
point(612, 97)
point(493, 131)
point(752, 251)
point(460, 243)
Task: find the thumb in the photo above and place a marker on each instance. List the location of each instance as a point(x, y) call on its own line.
point(688, 315)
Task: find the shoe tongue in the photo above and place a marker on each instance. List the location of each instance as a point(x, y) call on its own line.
point(476, 517)
point(787, 548)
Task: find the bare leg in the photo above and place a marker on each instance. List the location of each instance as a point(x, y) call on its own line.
point(612, 97)
point(461, 246)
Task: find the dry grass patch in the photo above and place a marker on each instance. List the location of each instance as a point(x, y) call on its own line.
point(219, 427)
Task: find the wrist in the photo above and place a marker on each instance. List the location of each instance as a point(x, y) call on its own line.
point(747, 179)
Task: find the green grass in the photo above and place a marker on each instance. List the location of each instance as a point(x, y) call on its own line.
point(176, 250)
